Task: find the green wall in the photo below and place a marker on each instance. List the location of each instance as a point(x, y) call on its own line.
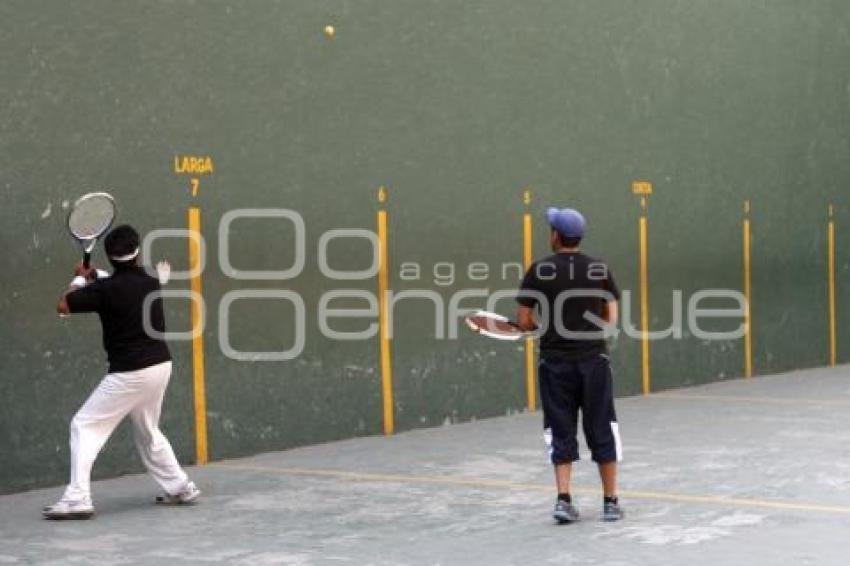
point(455, 106)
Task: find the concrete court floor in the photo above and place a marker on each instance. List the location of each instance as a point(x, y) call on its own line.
point(740, 472)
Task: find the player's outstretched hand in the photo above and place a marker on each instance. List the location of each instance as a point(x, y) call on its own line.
point(163, 272)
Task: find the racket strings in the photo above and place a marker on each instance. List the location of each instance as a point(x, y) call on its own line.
point(494, 325)
point(91, 217)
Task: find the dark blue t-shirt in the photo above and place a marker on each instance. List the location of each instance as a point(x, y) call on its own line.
point(583, 275)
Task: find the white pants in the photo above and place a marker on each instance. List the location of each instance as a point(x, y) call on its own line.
point(135, 393)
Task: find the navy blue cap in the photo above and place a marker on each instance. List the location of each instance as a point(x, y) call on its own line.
point(568, 222)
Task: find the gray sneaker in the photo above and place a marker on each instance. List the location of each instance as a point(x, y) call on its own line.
point(63, 510)
point(187, 496)
point(565, 512)
point(612, 512)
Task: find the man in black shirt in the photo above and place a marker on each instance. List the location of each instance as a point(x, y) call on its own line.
point(139, 370)
point(575, 299)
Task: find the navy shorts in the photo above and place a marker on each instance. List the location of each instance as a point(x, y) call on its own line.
point(570, 386)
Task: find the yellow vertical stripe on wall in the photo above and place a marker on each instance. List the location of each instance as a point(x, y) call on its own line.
point(748, 309)
point(198, 375)
point(831, 274)
point(530, 366)
point(646, 380)
point(386, 360)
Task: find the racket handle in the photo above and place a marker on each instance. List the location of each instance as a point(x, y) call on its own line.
point(87, 259)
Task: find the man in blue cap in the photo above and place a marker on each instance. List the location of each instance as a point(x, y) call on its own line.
point(574, 298)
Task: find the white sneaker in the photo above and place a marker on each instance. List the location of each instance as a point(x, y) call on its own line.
point(187, 496)
point(63, 509)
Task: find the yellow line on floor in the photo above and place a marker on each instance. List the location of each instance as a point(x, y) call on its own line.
point(778, 400)
point(504, 484)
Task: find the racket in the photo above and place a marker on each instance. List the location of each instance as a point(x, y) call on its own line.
point(90, 218)
point(495, 326)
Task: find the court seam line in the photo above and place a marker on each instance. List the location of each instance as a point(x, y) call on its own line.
point(777, 400)
point(506, 484)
